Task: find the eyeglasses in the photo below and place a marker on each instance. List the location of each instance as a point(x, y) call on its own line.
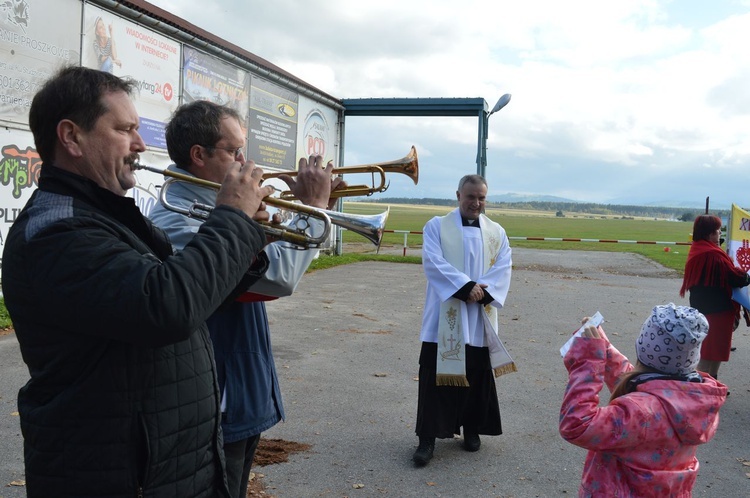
point(238, 151)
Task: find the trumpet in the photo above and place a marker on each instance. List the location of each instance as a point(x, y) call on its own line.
point(369, 226)
point(407, 165)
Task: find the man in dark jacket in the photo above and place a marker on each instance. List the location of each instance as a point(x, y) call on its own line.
point(123, 396)
point(204, 138)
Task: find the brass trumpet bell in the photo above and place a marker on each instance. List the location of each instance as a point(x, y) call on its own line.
point(407, 165)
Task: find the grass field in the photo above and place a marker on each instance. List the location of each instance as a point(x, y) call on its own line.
point(546, 224)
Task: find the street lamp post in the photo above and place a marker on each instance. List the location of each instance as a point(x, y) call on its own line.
point(484, 118)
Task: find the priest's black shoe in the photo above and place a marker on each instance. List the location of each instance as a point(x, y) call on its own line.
point(424, 451)
point(471, 441)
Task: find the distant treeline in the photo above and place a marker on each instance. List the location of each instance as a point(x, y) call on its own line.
point(561, 208)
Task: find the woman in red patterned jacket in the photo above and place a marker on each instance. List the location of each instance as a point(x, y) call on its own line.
point(710, 275)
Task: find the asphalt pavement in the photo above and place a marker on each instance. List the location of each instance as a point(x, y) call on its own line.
point(346, 346)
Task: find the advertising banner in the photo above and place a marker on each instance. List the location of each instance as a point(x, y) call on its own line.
point(146, 191)
point(207, 78)
point(317, 131)
point(738, 248)
point(113, 44)
point(272, 125)
point(37, 37)
point(19, 176)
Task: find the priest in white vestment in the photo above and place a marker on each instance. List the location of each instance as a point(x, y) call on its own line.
point(467, 262)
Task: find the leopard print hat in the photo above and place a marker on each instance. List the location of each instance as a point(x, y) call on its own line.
point(670, 339)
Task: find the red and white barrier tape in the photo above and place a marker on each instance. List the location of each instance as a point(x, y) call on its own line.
point(608, 241)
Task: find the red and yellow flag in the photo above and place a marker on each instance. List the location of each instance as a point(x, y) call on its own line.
point(738, 248)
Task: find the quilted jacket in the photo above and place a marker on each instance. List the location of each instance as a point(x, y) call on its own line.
point(642, 444)
point(123, 396)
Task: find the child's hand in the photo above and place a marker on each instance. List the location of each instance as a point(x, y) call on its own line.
point(591, 332)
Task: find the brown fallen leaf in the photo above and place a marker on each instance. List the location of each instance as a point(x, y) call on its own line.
point(19, 482)
point(430, 483)
point(358, 486)
point(14, 414)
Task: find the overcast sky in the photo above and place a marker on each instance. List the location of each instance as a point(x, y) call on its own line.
point(636, 101)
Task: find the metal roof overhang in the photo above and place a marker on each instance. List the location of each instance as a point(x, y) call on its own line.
point(445, 107)
point(415, 107)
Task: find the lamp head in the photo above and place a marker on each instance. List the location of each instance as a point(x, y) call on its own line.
point(502, 102)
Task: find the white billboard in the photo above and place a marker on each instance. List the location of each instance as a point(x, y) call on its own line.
point(317, 131)
point(19, 176)
point(124, 48)
point(37, 37)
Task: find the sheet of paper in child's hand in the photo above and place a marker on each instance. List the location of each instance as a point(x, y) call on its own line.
point(595, 320)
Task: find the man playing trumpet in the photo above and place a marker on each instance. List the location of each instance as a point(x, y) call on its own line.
point(205, 140)
point(122, 399)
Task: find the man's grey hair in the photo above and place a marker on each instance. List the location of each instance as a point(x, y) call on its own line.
point(473, 179)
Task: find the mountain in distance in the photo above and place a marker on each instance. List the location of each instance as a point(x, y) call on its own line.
point(631, 205)
point(699, 203)
point(620, 201)
point(511, 197)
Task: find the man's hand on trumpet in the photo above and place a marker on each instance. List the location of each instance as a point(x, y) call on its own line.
point(242, 189)
point(337, 183)
point(314, 183)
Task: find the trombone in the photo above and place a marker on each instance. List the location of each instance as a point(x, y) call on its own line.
point(407, 165)
point(369, 226)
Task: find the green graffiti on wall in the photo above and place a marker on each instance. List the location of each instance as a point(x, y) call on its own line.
point(19, 168)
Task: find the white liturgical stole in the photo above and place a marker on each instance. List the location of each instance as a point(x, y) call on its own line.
point(451, 360)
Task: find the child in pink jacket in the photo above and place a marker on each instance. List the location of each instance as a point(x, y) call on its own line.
point(643, 442)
